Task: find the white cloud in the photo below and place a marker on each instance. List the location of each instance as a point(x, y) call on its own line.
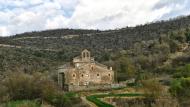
point(3, 31)
point(18, 16)
point(104, 14)
point(57, 22)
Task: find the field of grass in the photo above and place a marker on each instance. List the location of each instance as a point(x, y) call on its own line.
point(23, 103)
point(95, 98)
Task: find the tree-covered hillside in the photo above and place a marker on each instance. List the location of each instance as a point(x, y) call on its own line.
point(95, 39)
point(54, 47)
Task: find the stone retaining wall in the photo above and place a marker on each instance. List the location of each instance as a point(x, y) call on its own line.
point(94, 87)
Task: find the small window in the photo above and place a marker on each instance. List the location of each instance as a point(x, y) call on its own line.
point(98, 75)
point(74, 75)
point(82, 75)
point(109, 75)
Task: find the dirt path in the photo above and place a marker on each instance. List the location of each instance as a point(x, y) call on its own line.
point(88, 102)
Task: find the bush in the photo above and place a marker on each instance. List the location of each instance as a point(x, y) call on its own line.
point(152, 88)
point(21, 86)
point(24, 86)
point(3, 95)
point(182, 72)
point(180, 88)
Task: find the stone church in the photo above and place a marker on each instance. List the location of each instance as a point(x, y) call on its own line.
point(84, 72)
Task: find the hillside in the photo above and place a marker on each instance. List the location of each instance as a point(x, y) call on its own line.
point(48, 49)
point(95, 39)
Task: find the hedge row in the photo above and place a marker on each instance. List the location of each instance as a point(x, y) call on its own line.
point(99, 103)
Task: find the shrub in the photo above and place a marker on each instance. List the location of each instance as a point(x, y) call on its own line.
point(152, 88)
point(24, 86)
point(3, 95)
point(183, 71)
point(21, 86)
point(180, 88)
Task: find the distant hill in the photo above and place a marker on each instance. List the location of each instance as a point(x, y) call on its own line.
point(95, 39)
point(61, 45)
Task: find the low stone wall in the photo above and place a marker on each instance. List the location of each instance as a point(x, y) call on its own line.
point(94, 87)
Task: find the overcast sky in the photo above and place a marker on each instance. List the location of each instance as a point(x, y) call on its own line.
point(18, 16)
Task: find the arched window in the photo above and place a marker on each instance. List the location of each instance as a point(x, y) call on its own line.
point(98, 75)
point(82, 75)
point(109, 75)
point(74, 75)
point(87, 54)
point(83, 55)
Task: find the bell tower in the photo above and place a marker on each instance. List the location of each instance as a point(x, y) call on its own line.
point(85, 55)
